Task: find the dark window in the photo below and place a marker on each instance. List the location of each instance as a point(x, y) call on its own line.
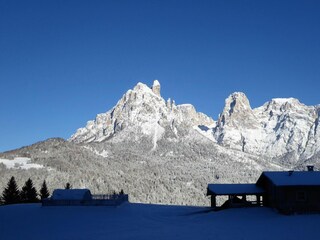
point(301, 196)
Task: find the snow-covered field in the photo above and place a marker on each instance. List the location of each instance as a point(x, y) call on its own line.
point(143, 221)
point(20, 163)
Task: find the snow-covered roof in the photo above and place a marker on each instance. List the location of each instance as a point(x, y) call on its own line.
point(292, 178)
point(71, 194)
point(229, 189)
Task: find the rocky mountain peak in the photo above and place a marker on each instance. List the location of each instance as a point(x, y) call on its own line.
point(283, 104)
point(236, 102)
point(140, 87)
point(279, 128)
point(156, 87)
point(141, 110)
point(237, 112)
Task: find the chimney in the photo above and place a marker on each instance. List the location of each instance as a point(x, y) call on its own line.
point(290, 172)
point(310, 168)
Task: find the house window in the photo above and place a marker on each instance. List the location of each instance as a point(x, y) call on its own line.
point(301, 196)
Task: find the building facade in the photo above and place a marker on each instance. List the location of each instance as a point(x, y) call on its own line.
point(287, 191)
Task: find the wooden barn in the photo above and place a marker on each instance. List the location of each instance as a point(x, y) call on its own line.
point(292, 191)
point(287, 191)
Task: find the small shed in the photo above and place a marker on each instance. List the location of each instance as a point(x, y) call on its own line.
point(71, 194)
point(291, 191)
point(237, 194)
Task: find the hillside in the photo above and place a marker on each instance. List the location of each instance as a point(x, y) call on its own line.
point(173, 174)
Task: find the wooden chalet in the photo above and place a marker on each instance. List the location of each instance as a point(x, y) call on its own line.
point(287, 191)
point(291, 191)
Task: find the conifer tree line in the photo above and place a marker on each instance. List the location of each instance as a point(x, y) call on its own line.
point(28, 193)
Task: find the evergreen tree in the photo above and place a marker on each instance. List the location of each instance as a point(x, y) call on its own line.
point(68, 186)
point(11, 193)
point(44, 193)
point(29, 193)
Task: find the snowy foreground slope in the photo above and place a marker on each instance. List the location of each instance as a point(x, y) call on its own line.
point(143, 221)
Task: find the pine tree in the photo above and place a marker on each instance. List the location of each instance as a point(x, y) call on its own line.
point(68, 186)
point(29, 193)
point(44, 193)
point(11, 193)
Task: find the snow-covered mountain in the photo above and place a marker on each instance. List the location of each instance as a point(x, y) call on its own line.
point(280, 128)
point(142, 110)
point(161, 152)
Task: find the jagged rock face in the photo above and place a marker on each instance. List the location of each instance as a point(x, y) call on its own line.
point(279, 127)
point(289, 126)
point(236, 120)
point(141, 110)
point(238, 113)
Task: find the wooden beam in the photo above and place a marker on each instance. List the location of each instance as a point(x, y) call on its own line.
point(258, 200)
point(213, 201)
point(244, 198)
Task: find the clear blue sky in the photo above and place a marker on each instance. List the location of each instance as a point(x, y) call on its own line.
point(62, 61)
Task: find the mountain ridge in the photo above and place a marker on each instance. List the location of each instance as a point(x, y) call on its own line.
point(143, 107)
point(272, 129)
point(161, 152)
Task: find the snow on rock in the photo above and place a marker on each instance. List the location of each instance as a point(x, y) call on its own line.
point(20, 163)
point(142, 108)
point(238, 113)
point(279, 127)
point(104, 153)
point(156, 87)
point(154, 130)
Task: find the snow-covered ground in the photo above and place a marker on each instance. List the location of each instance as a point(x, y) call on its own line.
point(20, 163)
point(143, 221)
